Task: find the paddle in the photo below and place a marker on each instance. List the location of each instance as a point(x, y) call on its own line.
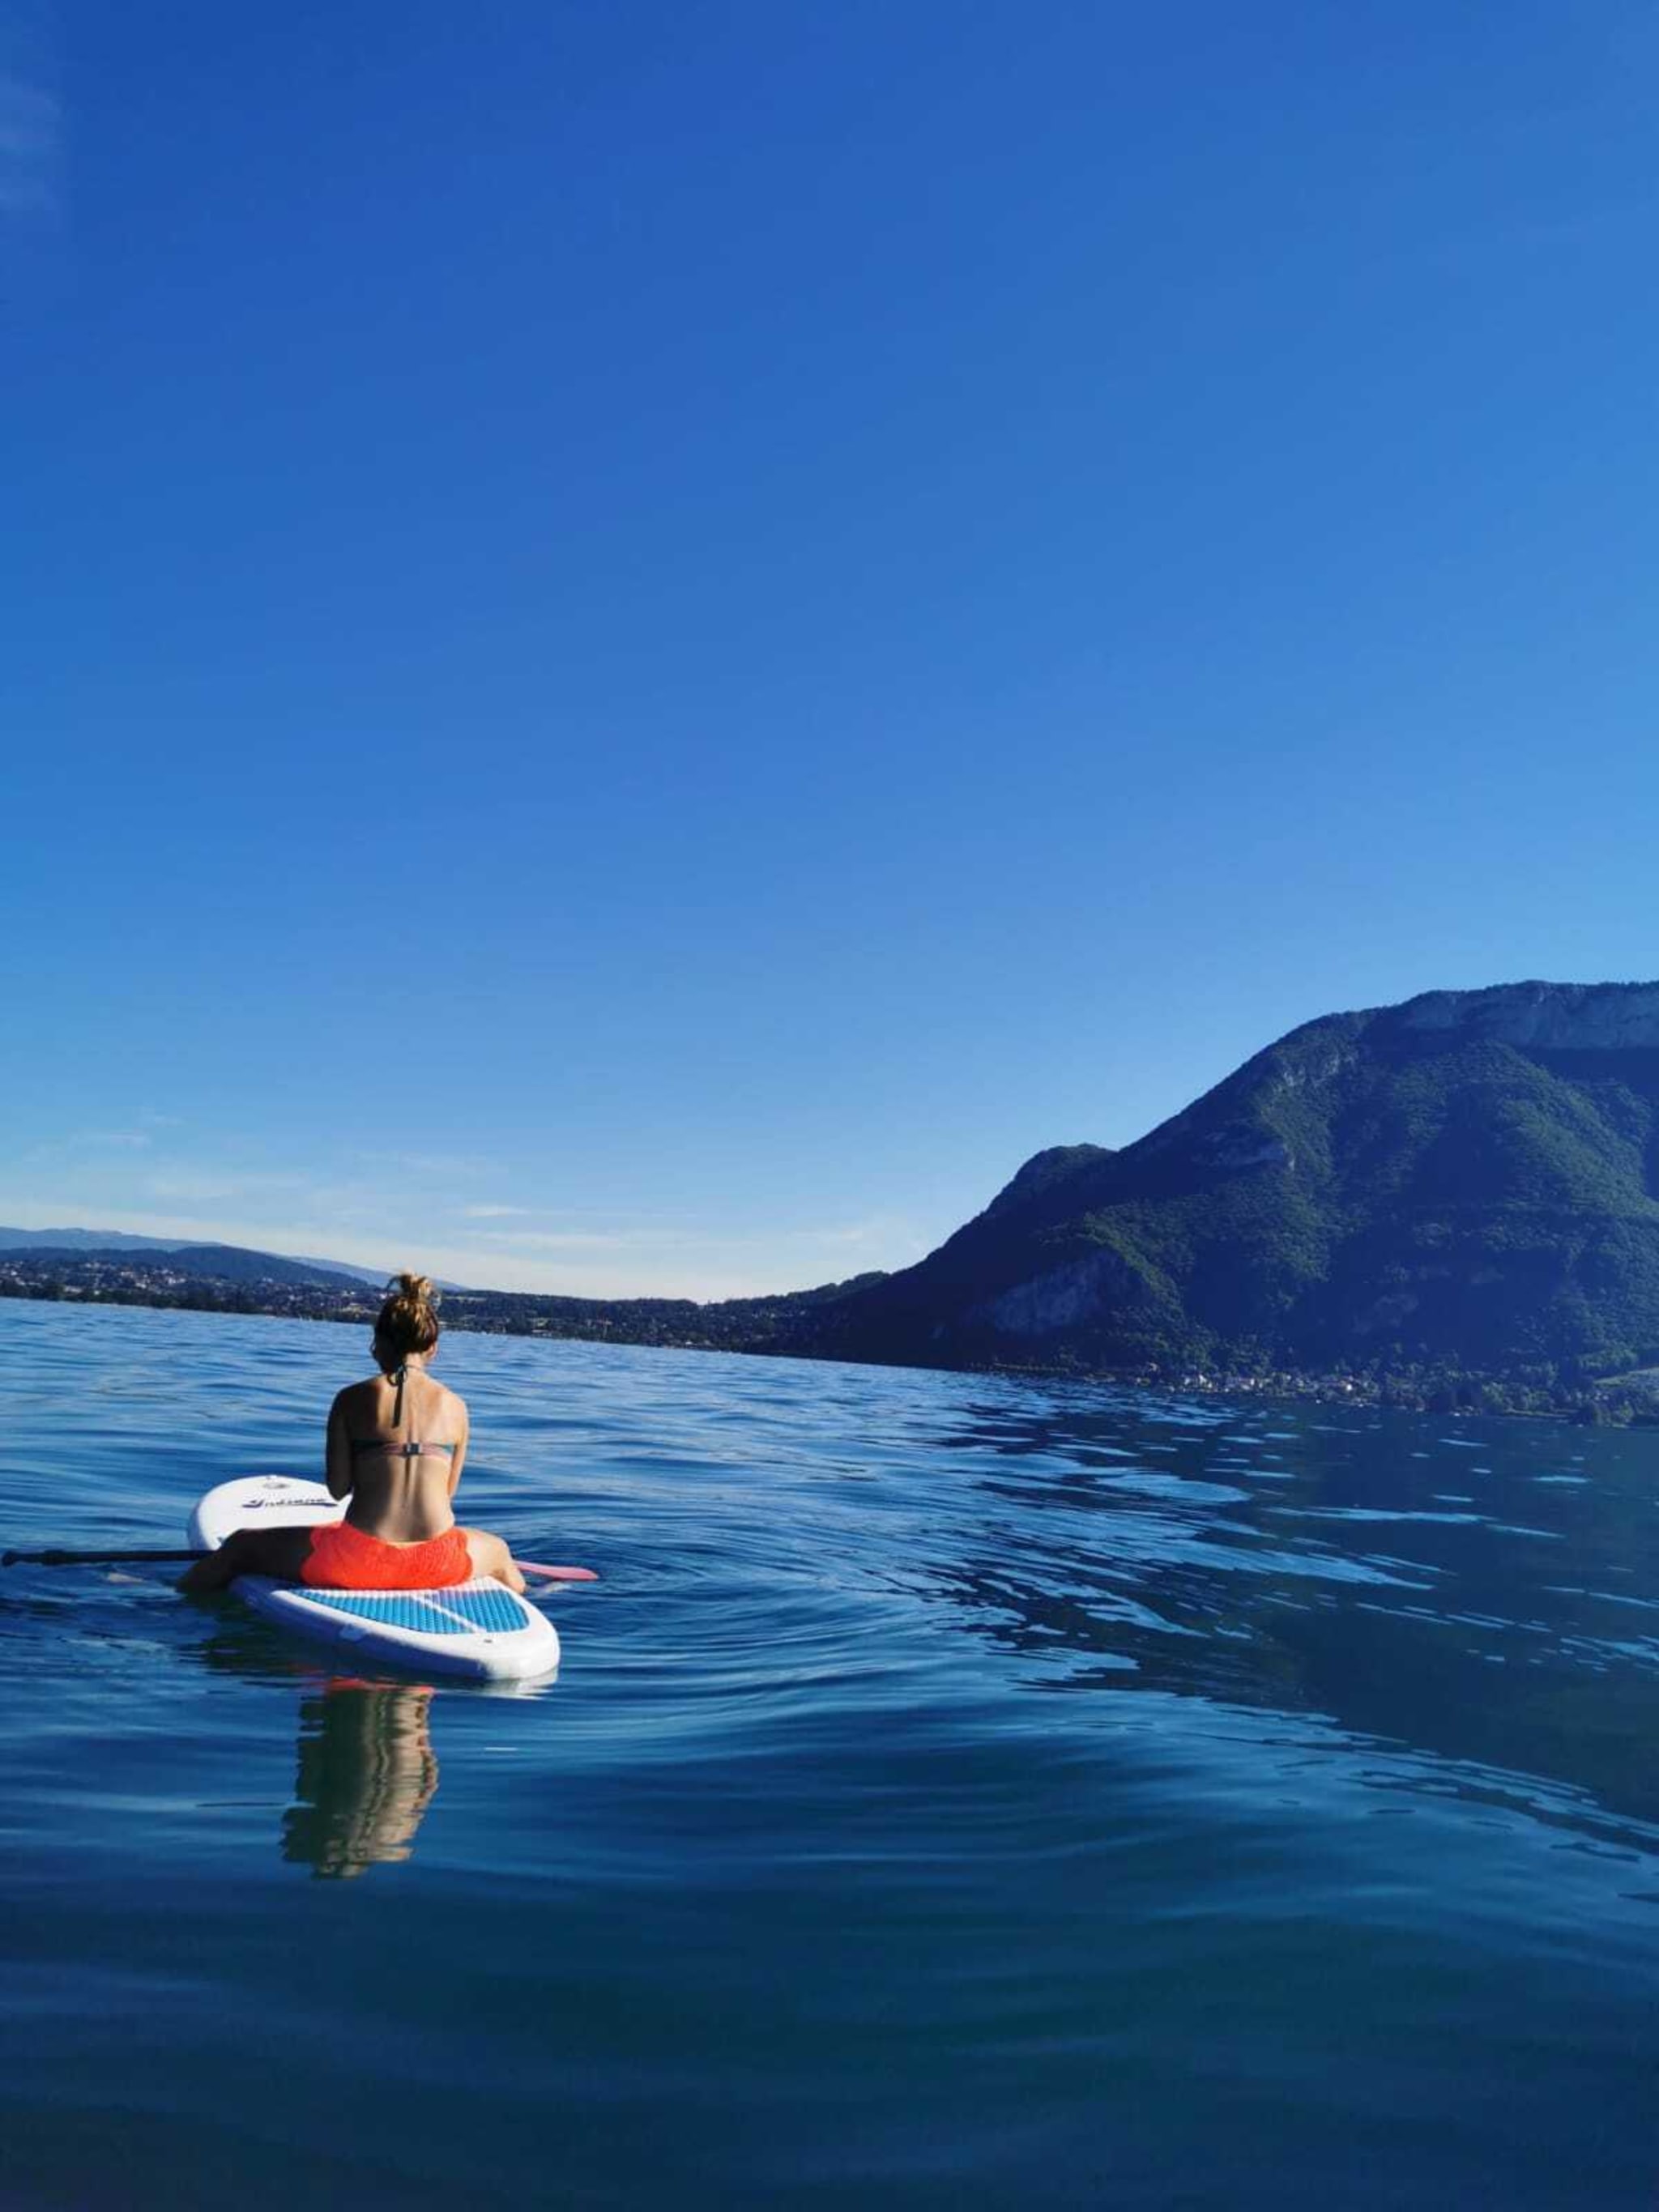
point(115, 1559)
point(87, 1559)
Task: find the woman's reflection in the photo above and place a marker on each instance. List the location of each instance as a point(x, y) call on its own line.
point(368, 1772)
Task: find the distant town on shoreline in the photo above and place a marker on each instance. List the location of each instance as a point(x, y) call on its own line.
point(748, 1325)
point(779, 1326)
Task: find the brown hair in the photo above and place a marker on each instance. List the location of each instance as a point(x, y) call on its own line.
point(409, 1319)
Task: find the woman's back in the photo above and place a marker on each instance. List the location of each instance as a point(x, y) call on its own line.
point(396, 1442)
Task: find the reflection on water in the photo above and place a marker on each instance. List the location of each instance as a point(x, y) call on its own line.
point(367, 1774)
point(1145, 1546)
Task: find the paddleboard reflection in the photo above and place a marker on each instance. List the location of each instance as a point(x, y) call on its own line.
point(367, 1774)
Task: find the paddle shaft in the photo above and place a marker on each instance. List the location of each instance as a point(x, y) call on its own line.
point(122, 1558)
point(88, 1558)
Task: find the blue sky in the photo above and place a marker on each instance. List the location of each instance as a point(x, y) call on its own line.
point(642, 644)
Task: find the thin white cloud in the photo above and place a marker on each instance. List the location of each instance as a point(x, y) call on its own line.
point(442, 1164)
point(539, 1240)
point(881, 1241)
point(124, 1178)
point(187, 1187)
point(880, 1228)
point(86, 1150)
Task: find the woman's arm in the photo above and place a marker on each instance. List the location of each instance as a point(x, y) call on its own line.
point(338, 1458)
point(461, 1449)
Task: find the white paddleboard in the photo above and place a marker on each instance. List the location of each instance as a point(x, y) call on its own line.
point(480, 1630)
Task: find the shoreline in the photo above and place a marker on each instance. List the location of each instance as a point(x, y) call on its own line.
point(671, 1325)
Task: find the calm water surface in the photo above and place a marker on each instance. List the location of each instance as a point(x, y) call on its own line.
point(956, 1791)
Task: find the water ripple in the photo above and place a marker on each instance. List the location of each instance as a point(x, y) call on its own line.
point(954, 1774)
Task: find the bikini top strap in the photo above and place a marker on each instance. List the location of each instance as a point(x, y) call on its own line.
point(398, 1408)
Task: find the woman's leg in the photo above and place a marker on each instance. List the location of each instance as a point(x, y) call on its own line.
point(490, 1556)
point(279, 1552)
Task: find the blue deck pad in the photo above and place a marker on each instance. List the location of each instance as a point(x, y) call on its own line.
point(460, 1612)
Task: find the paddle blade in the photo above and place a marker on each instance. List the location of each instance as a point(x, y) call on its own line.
point(558, 1574)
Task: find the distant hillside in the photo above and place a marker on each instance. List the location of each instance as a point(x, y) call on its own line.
point(785, 1321)
point(108, 1243)
point(220, 1263)
point(227, 1278)
point(1470, 1178)
point(81, 1240)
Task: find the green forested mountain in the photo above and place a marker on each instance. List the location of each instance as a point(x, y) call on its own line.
point(1470, 1178)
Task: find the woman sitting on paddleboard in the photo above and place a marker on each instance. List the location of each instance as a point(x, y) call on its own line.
point(396, 1446)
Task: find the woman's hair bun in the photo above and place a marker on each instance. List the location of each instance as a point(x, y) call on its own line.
point(409, 1319)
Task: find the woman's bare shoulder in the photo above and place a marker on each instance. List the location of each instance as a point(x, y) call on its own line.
point(356, 1397)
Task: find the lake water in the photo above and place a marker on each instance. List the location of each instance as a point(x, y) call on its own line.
point(956, 1792)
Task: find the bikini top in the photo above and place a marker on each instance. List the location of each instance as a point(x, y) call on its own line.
point(411, 1451)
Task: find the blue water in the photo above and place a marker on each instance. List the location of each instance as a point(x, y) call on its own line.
point(955, 1792)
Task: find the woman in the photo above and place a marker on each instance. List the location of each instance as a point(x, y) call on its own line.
point(396, 1447)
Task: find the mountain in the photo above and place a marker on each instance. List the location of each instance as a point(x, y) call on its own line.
point(81, 1240)
point(220, 1263)
point(1470, 1179)
point(108, 1243)
point(376, 1278)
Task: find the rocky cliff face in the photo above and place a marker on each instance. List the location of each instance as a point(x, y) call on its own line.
point(1543, 1016)
point(1472, 1176)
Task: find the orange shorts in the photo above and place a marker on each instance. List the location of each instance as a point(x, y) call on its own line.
point(344, 1557)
